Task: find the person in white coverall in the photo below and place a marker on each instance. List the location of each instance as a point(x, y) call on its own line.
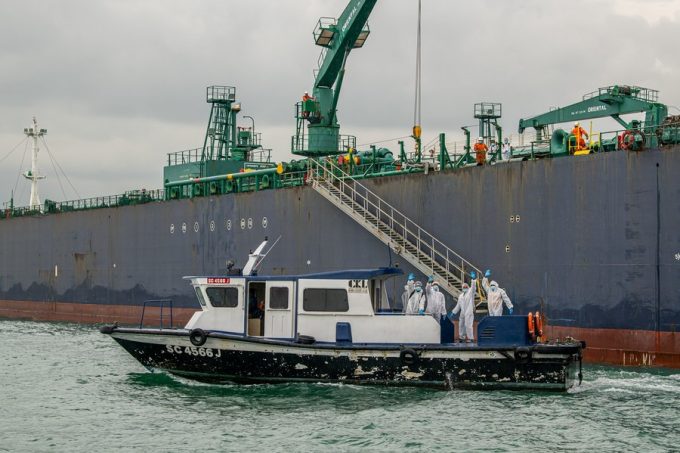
point(436, 303)
point(409, 289)
point(466, 307)
point(506, 149)
point(495, 296)
point(416, 303)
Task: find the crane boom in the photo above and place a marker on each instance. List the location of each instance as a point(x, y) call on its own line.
point(346, 33)
point(611, 101)
point(338, 37)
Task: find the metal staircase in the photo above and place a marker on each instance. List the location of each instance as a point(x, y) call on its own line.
point(425, 252)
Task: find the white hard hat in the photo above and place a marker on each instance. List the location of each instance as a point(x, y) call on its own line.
point(480, 139)
point(576, 124)
point(306, 92)
point(435, 283)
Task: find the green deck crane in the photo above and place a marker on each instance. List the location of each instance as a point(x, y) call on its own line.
point(318, 131)
point(613, 101)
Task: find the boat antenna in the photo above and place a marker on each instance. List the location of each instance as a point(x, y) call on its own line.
point(263, 256)
point(255, 258)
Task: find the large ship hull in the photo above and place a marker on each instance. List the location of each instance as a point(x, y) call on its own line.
point(592, 241)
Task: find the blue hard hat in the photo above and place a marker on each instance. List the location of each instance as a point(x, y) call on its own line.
point(411, 276)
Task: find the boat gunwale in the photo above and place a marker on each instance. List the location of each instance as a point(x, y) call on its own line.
point(568, 348)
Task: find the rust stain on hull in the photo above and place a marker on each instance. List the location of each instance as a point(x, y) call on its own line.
point(91, 313)
point(625, 347)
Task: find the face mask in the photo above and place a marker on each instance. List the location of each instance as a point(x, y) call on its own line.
point(418, 289)
point(435, 288)
point(493, 288)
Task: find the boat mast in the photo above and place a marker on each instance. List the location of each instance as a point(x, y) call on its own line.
point(32, 174)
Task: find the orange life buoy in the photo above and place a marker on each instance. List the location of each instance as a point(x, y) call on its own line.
point(530, 326)
point(539, 324)
point(632, 140)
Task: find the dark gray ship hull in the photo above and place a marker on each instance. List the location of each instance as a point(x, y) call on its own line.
point(593, 241)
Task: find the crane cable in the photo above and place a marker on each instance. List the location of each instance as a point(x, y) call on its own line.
point(417, 131)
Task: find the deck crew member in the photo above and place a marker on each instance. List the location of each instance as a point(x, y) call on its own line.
point(305, 108)
point(417, 301)
point(480, 150)
point(436, 303)
point(495, 296)
point(578, 132)
point(466, 307)
point(506, 149)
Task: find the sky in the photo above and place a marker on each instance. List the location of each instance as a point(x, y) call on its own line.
point(119, 84)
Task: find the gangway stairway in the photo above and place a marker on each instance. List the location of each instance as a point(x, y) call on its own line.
point(425, 252)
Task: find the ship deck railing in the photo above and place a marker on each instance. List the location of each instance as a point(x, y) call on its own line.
point(52, 207)
point(609, 141)
point(187, 156)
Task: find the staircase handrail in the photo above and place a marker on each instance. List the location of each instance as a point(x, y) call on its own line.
point(415, 231)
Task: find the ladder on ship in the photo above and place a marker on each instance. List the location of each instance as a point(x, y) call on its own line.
point(420, 248)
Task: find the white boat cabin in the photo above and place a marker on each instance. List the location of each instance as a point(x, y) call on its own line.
point(346, 306)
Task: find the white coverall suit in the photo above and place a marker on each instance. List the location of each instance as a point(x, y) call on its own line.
point(495, 297)
point(436, 303)
point(405, 296)
point(416, 303)
point(466, 306)
point(506, 151)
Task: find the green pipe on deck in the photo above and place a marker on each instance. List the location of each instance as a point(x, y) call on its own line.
point(389, 173)
point(267, 171)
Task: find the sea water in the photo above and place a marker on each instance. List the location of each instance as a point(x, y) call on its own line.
point(66, 387)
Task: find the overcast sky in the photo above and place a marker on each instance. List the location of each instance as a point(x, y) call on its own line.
point(118, 84)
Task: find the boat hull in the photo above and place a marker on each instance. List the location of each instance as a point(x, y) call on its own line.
point(230, 358)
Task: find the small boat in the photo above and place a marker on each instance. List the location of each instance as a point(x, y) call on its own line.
point(332, 327)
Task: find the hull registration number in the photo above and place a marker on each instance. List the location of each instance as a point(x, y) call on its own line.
point(193, 350)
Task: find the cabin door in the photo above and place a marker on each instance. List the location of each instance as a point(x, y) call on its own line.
point(279, 319)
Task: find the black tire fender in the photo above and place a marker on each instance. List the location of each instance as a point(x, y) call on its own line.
point(522, 354)
point(409, 357)
point(198, 337)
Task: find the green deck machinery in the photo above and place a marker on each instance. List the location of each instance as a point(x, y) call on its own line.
point(613, 101)
point(227, 150)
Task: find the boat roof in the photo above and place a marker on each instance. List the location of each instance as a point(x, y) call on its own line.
point(352, 274)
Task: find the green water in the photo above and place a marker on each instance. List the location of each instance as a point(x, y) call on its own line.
point(67, 387)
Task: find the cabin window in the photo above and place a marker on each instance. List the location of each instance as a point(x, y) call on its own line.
point(199, 294)
point(278, 298)
point(222, 297)
point(323, 299)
